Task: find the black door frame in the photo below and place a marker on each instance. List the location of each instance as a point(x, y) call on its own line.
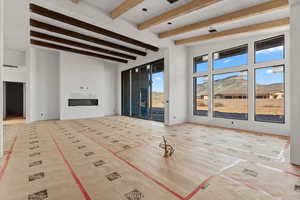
point(150, 90)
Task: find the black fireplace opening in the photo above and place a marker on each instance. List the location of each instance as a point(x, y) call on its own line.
point(83, 102)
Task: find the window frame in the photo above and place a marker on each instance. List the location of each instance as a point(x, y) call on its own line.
point(195, 96)
point(213, 96)
point(269, 38)
point(284, 92)
point(228, 49)
point(251, 67)
point(195, 63)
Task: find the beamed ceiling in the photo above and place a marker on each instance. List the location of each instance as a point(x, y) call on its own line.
point(183, 22)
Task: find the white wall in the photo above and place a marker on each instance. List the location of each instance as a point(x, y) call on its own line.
point(44, 85)
point(110, 89)
point(86, 77)
point(295, 82)
point(250, 124)
point(1, 85)
point(15, 58)
point(177, 84)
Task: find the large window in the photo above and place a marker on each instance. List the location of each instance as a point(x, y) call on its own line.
point(222, 81)
point(201, 96)
point(231, 95)
point(269, 104)
point(230, 90)
point(269, 49)
point(237, 56)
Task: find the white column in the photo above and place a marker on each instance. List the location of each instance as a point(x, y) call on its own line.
point(1, 82)
point(295, 82)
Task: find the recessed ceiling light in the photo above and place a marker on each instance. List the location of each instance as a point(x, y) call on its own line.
point(212, 30)
point(145, 9)
point(172, 1)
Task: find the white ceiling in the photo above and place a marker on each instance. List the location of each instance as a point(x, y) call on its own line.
point(17, 13)
point(157, 7)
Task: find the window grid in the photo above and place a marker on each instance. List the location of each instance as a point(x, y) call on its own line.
point(251, 69)
point(200, 112)
point(284, 95)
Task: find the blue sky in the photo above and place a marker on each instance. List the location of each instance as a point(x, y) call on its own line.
point(233, 61)
point(201, 80)
point(158, 82)
point(269, 75)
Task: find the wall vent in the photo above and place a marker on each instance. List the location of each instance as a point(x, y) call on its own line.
point(212, 30)
point(11, 66)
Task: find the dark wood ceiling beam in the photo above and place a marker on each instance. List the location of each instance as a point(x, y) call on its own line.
point(56, 29)
point(78, 44)
point(77, 51)
point(84, 25)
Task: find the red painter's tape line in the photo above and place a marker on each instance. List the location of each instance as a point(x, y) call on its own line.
point(7, 158)
point(291, 173)
point(148, 176)
point(202, 185)
point(79, 184)
point(286, 146)
point(139, 170)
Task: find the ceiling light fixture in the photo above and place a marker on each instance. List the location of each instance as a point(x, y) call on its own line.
point(172, 1)
point(212, 30)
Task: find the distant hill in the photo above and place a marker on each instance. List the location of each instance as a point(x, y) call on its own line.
point(236, 85)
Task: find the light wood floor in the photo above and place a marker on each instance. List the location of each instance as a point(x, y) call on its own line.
point(118, 158)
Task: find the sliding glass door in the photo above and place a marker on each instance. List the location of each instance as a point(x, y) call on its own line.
point(126, 93)
point(140, 78)
point(143, 87)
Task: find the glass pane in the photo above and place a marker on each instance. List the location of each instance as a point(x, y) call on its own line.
point(269, 49)
point(201, 96)
point(140, 92)
point(201, 64)
point(231, 95)
point(231, 58)
point(270, 94)
point(157, 108)
point(126, 93)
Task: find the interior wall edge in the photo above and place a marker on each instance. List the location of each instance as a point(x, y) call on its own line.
point(1, 85)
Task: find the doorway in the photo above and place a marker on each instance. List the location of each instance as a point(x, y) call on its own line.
point(143, 91)
point(13, 100)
